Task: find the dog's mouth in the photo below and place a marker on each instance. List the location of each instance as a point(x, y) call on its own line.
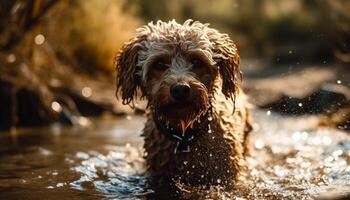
point(181, 105)
point(179, 111)
point(176, 125)
point(180, 115)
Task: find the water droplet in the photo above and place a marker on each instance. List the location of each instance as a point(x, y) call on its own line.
point(290, 51)
point(296, 136)
point(11, 58)
point(59, 184)
point(86, 92)
point(337, 153)
point(56, 106)
point(326, 140)
point(82, 155)
point(339, 81)
point(329, 159)
point(259, 144)
point(268, 113)
point(39, 39)
point(44, 151)
point(304, 135)
point(300, 104)
point(209, 129)
point(83, 121)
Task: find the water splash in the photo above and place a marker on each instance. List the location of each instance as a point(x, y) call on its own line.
point(119, 174)
point(297, 162)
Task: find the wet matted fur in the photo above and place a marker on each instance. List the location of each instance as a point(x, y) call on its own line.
point(216, 113)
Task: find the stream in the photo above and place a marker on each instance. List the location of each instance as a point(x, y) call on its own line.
point(290, 159)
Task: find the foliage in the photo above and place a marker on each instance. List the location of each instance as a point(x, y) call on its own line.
point(92, 31)
point(266, 27)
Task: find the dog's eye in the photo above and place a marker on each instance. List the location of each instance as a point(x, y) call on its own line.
point(160, 65)
point(197, 63)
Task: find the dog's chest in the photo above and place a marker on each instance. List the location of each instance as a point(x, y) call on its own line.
point(210, 160)
point(215, 157)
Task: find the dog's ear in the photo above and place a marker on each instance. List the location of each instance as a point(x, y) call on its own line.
point(127, 79)
point(227, 58)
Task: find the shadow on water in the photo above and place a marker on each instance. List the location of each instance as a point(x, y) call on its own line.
point(290, 159)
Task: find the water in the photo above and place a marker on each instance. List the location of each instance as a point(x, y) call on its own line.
point(290, 159)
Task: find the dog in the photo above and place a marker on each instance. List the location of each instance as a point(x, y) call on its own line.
point(198, 118)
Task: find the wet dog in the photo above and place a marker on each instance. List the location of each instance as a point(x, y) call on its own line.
point(198, 118)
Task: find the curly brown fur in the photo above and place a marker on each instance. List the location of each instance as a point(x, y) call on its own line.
point(166, 54)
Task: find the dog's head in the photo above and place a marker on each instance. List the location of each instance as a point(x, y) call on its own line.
point(176, 67)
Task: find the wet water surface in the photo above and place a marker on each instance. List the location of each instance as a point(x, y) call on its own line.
point(290, 159)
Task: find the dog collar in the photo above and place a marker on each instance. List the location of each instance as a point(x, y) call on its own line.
point(183, 141)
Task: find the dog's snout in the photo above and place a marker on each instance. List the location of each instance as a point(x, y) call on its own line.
point(180, 91)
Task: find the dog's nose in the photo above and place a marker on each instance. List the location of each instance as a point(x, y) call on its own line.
point(180, 91)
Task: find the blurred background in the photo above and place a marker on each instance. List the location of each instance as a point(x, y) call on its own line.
point(56, 69)
point(56, 57)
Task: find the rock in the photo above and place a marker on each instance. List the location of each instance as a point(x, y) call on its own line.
point(23, 106)
point(268, 85)
point(339, 119)
point(6, 106)
point(321, 90)
point(332, 196)
point(298, 89)
point(48, 91)
point(327, 99)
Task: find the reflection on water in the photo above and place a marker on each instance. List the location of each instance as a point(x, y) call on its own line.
point(289, 159)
